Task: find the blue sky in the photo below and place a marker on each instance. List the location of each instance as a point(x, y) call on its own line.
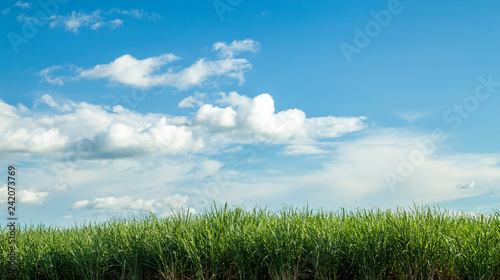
point(109, 109)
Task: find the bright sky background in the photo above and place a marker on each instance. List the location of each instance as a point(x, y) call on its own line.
point(112, 108)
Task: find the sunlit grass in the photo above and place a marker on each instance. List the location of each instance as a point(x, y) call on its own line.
point(230, 243)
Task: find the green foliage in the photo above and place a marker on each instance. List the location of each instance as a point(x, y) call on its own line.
point(230, 243)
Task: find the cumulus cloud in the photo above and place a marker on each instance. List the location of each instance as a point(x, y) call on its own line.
point(158, 138)
point(131, 71)
point(147, 72)
point(33, 135)
point(215, 116)
point(112, 132)
point(29, 196)
point(32, 197)
point(103, 132)
point(258, 115)
point(140, 73)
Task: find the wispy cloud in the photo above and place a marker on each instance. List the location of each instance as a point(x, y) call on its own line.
point(468, 185)
point(302, 149)
point(48, 76)
point(266, 13)
point(49, 100)
point(236, 47)
point(352, 174)
point(411, 116)
point(5, 11)
point(75, 20)
point(24, 5)
point(136, 13)
point(190, 101)
point(95, 20)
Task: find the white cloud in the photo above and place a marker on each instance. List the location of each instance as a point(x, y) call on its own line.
point(47, 75)
point(24, 5)
point(215, 116)
point(5, 11)
point(26, 134)
point(49, 100)
point(112, 203)
point(97, 19)
point(136, 13)
point(115, 23)
point(22, 109)
point(146, 73)
point(236, 47)
point(140, 73)
point(29, 196)
point(330, 127)
point(190, 101)
point(258, 115)
point(411, 117)
point(130, 71)
point(116, 132)
point(468, 185)
point(46, 99)
point(80, 204)
point(67, 217)
point(158, 138)
point(298, 149)
point(32, 197)
point(353, 175)
point(57, 188)
point(266, 13)
point(75, 20)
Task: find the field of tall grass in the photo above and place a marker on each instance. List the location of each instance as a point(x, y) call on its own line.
point(422, 242)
